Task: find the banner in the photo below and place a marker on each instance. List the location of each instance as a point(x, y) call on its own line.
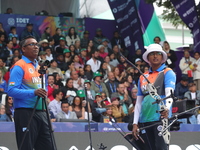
point(151, 26)
point(188, 13)
point(40, 23)
point(128, 23)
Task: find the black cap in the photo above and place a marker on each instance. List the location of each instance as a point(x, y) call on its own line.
point(184, 78)
point(29, 24)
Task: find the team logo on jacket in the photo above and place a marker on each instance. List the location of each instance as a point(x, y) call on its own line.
point(159, 128)
point(30, 70)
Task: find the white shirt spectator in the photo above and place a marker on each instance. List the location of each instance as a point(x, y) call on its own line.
point(77, 86)
point(94, 65)
point(55, 106)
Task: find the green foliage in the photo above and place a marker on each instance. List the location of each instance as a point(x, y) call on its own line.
point(169, 13)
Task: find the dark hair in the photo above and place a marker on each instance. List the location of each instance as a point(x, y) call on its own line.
point(56, 92)
point(69, 33)
point(50, 39)
point(157, 37)
point(73, 103)
point(68, 81)
point(53, 60)
point(8, 41)
point(45, 48)
point(64, 102)
point(197, 53)
point(50, 75)
point(13, 27)
point(46, 29)
point(58, 29)
point(23, 41)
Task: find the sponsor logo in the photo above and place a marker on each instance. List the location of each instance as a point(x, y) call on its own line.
point(159, 128)
point(11, 21)
point(30, 70)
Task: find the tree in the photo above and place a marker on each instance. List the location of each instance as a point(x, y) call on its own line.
point(169, 13)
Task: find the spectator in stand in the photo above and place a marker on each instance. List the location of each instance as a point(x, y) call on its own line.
point(111, 84)
point(134, 95)
point(69, 92)
point(9, 48)
point(78, 82)
point(98, 85)
point(57, 80)
point(184, 65)
point(193, 94)
point(67, 55)
point(17, 53)
point(2, 67)
point(102, 52)
point(105, 98)
point(77, 46)
point(65, 113)
point(49, 55)
point(118, 76)
point(52, 46)
point(104, 71)
point(54, 68)
point(171, 56)
point(107, 116)
point(195, 66)
point(42, 57)
point(113, 60)
point(181, 88)
point(115, 50)
point(85, 40)
point(77, 106)
point(131, 83)
point(88, 72)
point(81, 73)
point(3, 116)
point(125, 99)
point(117, 110)
point(55, 105)
point(157, 40)
point(46, 34)
point(13, 33)
point(9, 11)
point(98, 37)
point(94, 62)
point(72, 49)
point(72, 36)
point(107, 48)
point(117, 40)
point(90, 92)
point(57, 36)
point(91, 46)
point(83, 56)
point(2, 41)
point(15, 43)
point(62, 45)
point(13, 61)
point(51, 87)
point(107, 60)
point(61, 63)
point(123, 65)
point(77, 63)
point(43, 44)
point(9, 107)
point(2, 31)
point(71, 68)
point(138, 54)
point(98, 103)
point(29, 31)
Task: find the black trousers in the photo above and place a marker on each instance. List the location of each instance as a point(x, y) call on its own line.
point(152, 140)
point(38, 136)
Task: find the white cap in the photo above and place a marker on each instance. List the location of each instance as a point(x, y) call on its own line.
point(154, 48)
point(137, 59)
point(43, 41)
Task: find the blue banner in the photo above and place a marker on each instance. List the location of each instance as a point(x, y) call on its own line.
point(188, 13)
point(128, 23)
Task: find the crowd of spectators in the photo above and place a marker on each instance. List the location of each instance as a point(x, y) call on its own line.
point(75, 62)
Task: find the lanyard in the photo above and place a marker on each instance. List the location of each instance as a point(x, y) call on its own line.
point(100, 87)
point(111, 87)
